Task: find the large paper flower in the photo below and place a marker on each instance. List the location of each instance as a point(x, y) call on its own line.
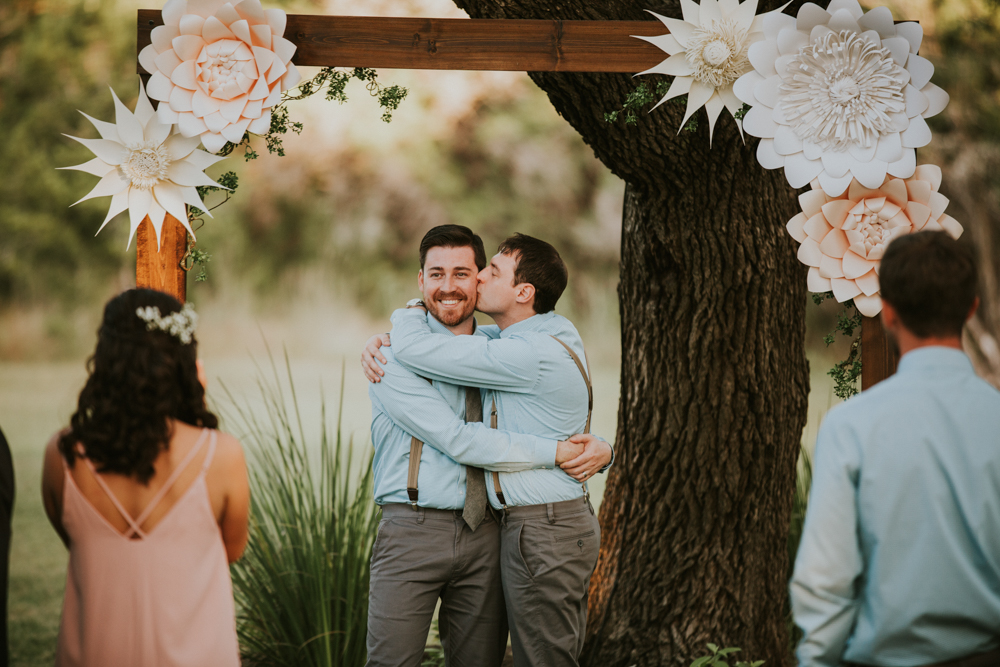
point(838, 94)
point(843, 237)
point(218, 68)
point(144, 168)
point(708, 52)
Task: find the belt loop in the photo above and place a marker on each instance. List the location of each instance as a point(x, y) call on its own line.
point(420, 515)
point(550, 512)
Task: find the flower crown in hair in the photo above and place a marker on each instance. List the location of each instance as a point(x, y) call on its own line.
point(180, 324)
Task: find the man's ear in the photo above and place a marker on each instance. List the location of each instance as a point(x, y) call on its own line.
point(890, 318)
point(525, 293)
point(420, 280)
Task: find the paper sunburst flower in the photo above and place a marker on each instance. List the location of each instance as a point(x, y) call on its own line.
point(838, 94)
point(144, 167)
point(708, 52)
point(844, 237)
point(218, 69)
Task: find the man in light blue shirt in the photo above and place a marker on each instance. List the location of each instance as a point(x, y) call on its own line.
point(437, 539)
point(534, 379)
point(899, 563)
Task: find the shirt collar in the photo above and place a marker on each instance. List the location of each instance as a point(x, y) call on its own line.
point(437, 327)
point(934, 358)
point(533, 323)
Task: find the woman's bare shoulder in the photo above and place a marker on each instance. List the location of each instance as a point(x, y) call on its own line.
point(52, 453)
point(229, 452)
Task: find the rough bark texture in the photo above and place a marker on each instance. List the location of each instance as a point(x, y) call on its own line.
point(714, 377)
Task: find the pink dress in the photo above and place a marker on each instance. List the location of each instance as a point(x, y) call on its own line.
point(164, 599)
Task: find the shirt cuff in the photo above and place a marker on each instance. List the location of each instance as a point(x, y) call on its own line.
point(408, 312)
point(612, 461)
point(544, 453)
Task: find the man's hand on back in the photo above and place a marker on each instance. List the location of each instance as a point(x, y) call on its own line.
point(369, 355)
point(595, 455)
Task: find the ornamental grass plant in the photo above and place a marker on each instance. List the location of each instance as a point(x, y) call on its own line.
point(301, 587)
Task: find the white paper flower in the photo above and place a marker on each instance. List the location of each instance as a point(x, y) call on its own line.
point(839, 94)
point(708, 52)
point(144, 168)
point(218, 69)
point(844, 237)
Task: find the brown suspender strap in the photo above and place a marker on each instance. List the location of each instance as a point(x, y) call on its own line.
point(586, 378)
point(496, 475)
point(586, 429)
point(416, 447)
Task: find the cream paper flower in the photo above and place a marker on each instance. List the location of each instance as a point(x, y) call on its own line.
point(708, 52)
point(839, 94)
point(218, 69)
point(144, 167)
point(844, 237)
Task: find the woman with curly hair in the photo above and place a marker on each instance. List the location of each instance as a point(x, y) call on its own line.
point(150, 499)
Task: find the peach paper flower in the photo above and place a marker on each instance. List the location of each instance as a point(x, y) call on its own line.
point(843, 238)
point(218, 69)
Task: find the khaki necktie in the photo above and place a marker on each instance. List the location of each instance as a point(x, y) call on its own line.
point(475, 478)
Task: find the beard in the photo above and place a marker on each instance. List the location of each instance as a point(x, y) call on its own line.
point(450, 316)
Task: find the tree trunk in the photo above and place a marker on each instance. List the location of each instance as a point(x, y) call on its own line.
point(714, 378)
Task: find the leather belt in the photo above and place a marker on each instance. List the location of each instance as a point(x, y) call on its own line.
point(988, 659)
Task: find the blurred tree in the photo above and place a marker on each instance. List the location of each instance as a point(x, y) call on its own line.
point(965, 49)
point(56, 57)
point(714, 379)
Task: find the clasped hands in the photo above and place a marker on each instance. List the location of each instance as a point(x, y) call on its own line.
point(581, 456)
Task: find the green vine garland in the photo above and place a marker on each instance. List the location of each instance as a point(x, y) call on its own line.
point(335, 82)
point(845, 373)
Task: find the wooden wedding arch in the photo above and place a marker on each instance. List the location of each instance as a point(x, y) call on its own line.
point(459, 44)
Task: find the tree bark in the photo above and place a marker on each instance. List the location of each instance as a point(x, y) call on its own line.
point(714, 379)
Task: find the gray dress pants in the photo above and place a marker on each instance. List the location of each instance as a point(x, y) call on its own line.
point(547, 555)
point(420, 556)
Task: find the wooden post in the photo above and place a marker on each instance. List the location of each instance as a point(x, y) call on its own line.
point(878, 354)
point(162, 270)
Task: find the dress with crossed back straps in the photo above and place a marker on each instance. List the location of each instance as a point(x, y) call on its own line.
point(157, 598)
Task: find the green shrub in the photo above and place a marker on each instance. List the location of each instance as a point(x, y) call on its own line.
point(716, 659)
point(302, 585)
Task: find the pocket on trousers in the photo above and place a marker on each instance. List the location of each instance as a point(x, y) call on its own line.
point(566, 538)
point(526, 551)
point(379, 545)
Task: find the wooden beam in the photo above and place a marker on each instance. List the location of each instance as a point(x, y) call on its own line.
point(162, 270)
point(879, 356)
point(462, 44)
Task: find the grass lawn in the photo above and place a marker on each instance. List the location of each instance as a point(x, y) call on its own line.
point(37, 399)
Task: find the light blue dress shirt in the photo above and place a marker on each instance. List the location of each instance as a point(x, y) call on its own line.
point(900, 556)
point(537, 386)
point(405, 404)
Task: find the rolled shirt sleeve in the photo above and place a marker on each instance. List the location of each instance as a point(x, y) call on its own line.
point(420, 410)
point(828, 568)
point(503, 364)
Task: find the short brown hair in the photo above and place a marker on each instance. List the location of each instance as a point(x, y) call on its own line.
point(540, 265)
point(931, 280)
point(453, 236)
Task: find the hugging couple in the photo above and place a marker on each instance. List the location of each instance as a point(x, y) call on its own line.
point(492, 518)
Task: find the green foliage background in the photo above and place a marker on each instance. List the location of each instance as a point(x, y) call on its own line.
point(345, 212)
point(52, 63)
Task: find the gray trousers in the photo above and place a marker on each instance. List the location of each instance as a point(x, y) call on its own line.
point(424, 555)
point(547, 554)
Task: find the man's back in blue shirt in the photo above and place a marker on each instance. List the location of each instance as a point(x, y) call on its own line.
point(900, 556)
